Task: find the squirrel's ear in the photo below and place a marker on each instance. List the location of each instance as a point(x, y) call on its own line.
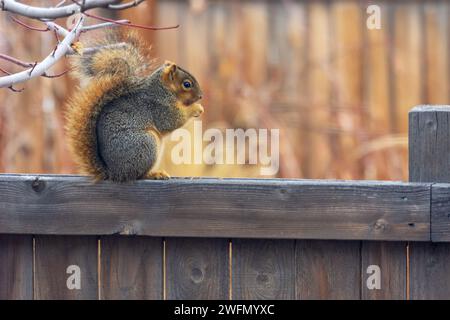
point(170, 69)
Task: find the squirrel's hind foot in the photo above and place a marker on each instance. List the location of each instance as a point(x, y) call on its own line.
point(157, 175)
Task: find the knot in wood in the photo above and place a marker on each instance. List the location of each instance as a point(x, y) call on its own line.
point(128, 230)
point(197, 275)
point(262, 278)
point(38, 185)
point(380, 225)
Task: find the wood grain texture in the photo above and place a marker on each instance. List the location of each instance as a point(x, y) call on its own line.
point(348, 25)
point(408, 61)
point(440, 212)
point(16, 267)
point(437, 49)
point(263, 269)
point(429, 158)
point(53, 255)
point(391, 258)
point(429, 271)
point(377, 97)
point(310, 209)
point(131, 268)
point(328, 269)
point(429, 152)
point(197, 269)
point(319, 91)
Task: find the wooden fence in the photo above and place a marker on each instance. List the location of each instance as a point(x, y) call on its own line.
point(234, 238)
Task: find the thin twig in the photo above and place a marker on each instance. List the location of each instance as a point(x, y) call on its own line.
point(55, 75)
point(15, 90)
point(60, 3)
point(103, 25)
point(26, 25)
point(129, 24)
point(4, 71)
point(32, 68)
point(43, 75)
point(15, 61)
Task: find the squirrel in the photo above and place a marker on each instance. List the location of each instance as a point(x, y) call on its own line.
point(115, 122)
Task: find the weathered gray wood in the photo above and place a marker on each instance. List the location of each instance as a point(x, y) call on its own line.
point(303, 209)
point(131, 268)
point(328, 269)
point(429, 144)
point(263, 269)
point(16, 267)
point(54, 254)
point(197, 269)
point(429, 161)
point(429, 266)
point(390, 257)
point(440, 212)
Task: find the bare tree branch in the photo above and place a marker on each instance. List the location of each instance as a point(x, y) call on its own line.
point(125, 5)
point(61, 31)
point(53, 12)
point(69, 44)
point(40, 68)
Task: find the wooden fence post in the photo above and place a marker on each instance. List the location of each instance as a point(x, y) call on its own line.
point(429, 161)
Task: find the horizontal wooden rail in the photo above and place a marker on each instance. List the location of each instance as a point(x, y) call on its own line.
point(226, 208)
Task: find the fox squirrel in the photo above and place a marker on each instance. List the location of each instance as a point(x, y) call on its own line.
point(116, 121)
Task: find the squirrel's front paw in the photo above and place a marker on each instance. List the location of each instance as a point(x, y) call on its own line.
point(158, 175)
point(196, 110)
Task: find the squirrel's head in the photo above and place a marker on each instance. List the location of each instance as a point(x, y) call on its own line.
point(185, 87)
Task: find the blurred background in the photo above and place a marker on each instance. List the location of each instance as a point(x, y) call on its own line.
point(339, 92)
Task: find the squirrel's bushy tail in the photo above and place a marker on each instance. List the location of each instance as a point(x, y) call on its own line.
point(111, 69)
point(118, 53)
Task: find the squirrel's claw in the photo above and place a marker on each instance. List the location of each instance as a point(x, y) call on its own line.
point(158, 175)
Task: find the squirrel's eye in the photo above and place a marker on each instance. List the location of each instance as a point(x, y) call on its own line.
point(187, 84)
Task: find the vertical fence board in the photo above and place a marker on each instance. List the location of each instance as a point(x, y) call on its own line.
point(429, 270)
point(437, 51)
point(391, 258)
point(131, 268)
point(429, 158)
point(347, 82)
point(254, 19)
point(53, 255)
point(16, 267)
point(377, 93)
point(408, 60)
point(263, 269)
point(197, 268)
point(328, 269)
point(293, 31)
point(318, 93)
point(166, 43)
